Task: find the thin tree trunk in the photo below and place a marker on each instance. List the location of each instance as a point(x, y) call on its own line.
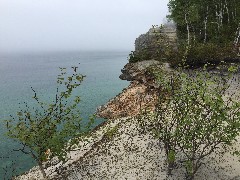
point(194, 36)
point(234, 10)
point(193, 159)
point(42, 170)
point(188, 30)
point(40, 164)
point(237, 40)
point(226, 6)
point(218, 17)
point(237, 36)
point(205, 26)
point(170, 163)
point(221, 14)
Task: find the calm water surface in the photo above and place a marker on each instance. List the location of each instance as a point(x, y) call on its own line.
point(19, 72)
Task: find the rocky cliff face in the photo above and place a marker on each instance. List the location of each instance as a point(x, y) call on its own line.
point(137, 71)
point(153, 44)
point(142, 92)
point(140, 95)
point(153, 37)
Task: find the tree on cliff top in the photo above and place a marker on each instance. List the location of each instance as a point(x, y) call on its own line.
point(50, 130)
point(208, 31)
point(215, 21)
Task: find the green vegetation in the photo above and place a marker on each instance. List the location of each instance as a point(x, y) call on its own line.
point(209, 30)
point(198, 55)
point(194, 118)
point(51, 130)
point(111, 132)
point(132, 57)
point(206, 21)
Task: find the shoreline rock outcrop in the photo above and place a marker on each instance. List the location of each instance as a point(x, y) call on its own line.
point(140, 94)
point(153, 44)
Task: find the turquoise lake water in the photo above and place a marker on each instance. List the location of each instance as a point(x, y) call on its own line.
point(20, 72)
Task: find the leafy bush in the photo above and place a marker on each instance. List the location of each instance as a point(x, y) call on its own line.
point(50, 130)
point(199, 54)
point(144, 54)
point(132, 58)
point(194, 118)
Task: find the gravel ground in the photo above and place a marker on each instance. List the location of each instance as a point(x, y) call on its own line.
point(120, 151)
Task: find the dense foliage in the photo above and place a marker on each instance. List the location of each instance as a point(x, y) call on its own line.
point(204, 24)
point(215, 21)
point(207, 31)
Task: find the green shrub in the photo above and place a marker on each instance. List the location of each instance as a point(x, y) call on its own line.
point(111, 132)
point(199, 54)
point(193, 118)
point(50, 130)
point(132, 58)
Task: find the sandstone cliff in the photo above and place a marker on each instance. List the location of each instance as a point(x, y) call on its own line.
point(155, 43)
point(140, 94)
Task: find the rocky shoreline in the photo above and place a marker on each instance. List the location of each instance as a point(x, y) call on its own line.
point(141, 94)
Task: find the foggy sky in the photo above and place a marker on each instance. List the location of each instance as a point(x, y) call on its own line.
point(53, 25)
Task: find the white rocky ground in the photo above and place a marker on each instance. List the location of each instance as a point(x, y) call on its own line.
point(126, 153)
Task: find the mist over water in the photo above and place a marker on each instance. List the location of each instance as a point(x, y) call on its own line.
point(33, 25)
point(20, 72)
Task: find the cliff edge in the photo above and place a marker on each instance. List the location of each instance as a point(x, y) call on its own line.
point(140, 94)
